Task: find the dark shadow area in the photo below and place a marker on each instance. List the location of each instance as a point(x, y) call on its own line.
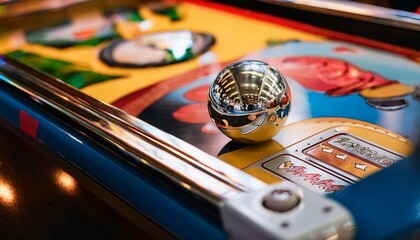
point(40, 200)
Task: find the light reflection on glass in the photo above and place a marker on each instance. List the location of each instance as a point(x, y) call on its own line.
point(66, 182)
point(144, 161)
point(7, 195)
point(186, 185)
point(145, 25)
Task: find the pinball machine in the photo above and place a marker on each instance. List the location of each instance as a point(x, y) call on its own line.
point(118, 96)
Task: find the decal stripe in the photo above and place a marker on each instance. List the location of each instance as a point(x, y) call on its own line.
point(28, 124)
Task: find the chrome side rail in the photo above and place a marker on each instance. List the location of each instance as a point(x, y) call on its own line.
point(182, 163)
point(355, 10)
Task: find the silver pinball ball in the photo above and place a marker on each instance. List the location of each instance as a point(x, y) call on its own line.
point(249, 101)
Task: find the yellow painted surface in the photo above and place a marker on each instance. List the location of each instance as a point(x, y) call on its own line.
point(251, 153)
point(262, 175)
point(235, 36)
point(388, 91)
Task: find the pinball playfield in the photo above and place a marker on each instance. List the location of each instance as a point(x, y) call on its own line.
point(353, 112)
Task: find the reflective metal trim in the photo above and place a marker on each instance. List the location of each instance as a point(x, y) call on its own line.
point(179, 161)
point(354, 10)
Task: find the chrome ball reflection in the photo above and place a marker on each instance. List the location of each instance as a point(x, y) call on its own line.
point(249, 101)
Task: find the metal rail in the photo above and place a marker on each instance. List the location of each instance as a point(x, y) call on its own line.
point(354, 10)
point(182, 163)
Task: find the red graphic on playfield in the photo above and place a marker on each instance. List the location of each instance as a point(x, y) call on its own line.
point(196, 113)
point(335, 77)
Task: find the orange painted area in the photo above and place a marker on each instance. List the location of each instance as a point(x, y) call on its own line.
point(342, 160)
point(84, 34)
